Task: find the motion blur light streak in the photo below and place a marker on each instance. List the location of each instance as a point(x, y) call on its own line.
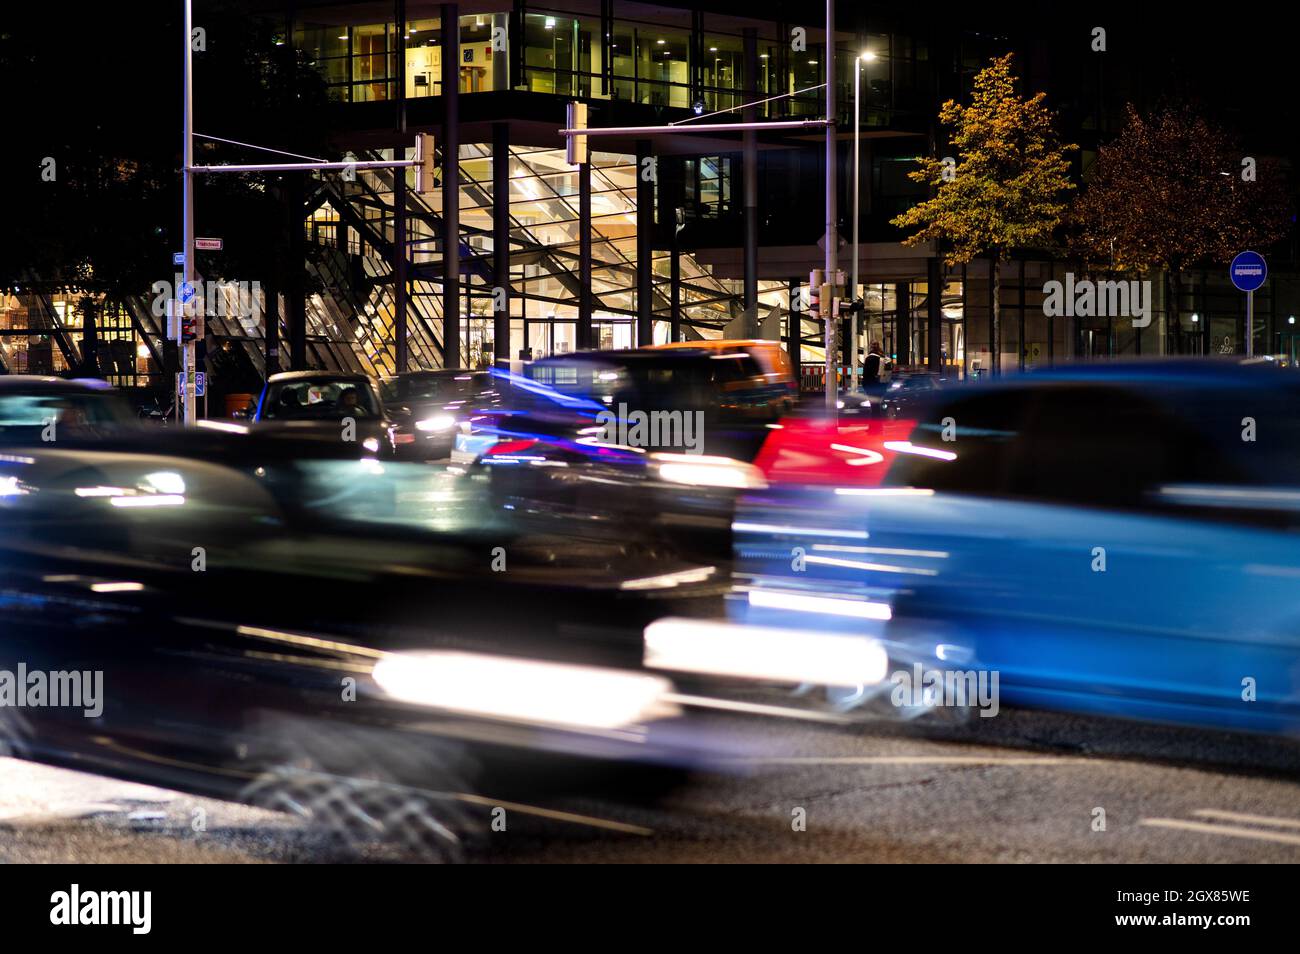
point(884, 492)
point(694, 575)
point(124, 587)
point(872, 567)
point(150, 500)
point(860, 609)
point(224, 426)
point(757, 652)
point(741, 526)
point(700, 471)
point(523, 690)
point(101, 492)
point(865, 456)
point(907, 447)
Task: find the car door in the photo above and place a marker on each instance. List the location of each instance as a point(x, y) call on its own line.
point(1089, 592)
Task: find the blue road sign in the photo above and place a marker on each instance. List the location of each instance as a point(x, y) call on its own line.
point(200, 384)
point(1248, 271)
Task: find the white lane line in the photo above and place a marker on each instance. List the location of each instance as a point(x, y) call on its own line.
point(915, 760)
point(1231, 831)
point(1247, 819)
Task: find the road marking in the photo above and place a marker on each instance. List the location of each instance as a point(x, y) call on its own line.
point(556, 815)
point(1230, 830)
point(1248, 819)
point(915, 760)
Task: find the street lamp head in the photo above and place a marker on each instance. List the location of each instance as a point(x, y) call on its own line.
point(867, 56)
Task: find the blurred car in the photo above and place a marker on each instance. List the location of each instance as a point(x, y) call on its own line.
point(889, 398)
point(331, 407)
point(432, 406)
point(37, 409)
point(260, 637)
point(1117, 539)
point(771, 357)
point(658, 439)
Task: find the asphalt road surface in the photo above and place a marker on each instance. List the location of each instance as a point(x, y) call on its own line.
point(1024, 787)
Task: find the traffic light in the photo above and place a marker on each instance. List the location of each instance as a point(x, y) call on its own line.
point(191, 327)
point(575, 148)
point(428, 168)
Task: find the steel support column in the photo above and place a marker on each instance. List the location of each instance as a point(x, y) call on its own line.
point(399, 250)
point(934, 313)
point(584, 257)
point(450, 185)
point(645, 220)
point(295, 297)
point(903, 325)
point(501, 244)
point(750, 175)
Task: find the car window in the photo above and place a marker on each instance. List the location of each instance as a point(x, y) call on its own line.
point(1253, 433)
point(962, 445)
point(1104, 445)
point(733, 368)
point(445, 387)
point(71, 412)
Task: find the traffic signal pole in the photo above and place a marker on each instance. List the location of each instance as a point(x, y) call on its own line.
point(186, 303)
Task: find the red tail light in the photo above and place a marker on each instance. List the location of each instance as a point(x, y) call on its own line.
point(810, 451)
point(511, 447)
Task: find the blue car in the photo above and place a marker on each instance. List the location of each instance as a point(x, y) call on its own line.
point(1116, 539)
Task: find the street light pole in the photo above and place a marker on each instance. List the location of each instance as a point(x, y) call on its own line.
point(183, 309)
point(866, 57)
point(857, 212)
point(832, 230)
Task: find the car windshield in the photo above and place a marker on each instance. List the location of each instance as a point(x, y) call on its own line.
point(309, 399)
point(442, 387)
point(70, 413)
point(638, 384)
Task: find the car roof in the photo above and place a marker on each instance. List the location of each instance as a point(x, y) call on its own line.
point(318, 376)
point(628, 356)
point(1203, 371)
point(438, 373)
point(713, 344)
point(42, 382)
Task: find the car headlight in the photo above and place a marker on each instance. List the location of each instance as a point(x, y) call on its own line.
point(697, 470)
point(371, 444)
point(439, 422)
point(525, 690)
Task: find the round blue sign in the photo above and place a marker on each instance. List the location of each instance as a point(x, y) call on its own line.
point(1248, 271)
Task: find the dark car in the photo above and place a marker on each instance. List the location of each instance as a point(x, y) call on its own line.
point(42, 410)
point(260, 638)
point(328, 406)
point(659, 439)
point(432, 407)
